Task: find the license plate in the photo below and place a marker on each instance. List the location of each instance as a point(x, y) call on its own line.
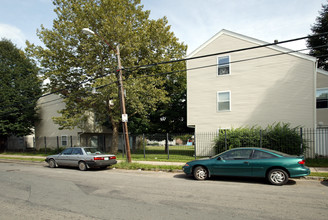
point(106, 158)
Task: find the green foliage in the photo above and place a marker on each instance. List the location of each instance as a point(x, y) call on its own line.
point(76, 63)
point(279, 136)
point(19, 91)
point(317, 45)
point(317, 162)
point(283, 138)
point(137, 166)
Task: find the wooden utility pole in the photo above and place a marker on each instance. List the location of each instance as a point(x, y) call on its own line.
point(121, 92)
point(122, 101)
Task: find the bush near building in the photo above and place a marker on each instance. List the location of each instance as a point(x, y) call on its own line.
point(279, 136)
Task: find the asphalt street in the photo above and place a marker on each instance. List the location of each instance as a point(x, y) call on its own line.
point(35, 191)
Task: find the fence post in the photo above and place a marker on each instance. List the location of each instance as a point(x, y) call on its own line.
point(301, 134)
point(71, 141)
point(45, 144)
point(195, 146)
point(34, 143)
point(225, 139)
point(167, 145)
point(260, 138)
point(143, 144)
point(57, 144)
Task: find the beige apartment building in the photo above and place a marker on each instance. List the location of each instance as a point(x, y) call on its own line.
point(229, 88)
point(252, 87)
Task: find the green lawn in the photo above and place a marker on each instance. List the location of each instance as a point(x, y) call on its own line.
point(157, 153)
point(325, 175)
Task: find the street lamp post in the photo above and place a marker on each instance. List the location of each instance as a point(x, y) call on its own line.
point(121, 92)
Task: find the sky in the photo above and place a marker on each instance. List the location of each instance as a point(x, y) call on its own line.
point(193, 21)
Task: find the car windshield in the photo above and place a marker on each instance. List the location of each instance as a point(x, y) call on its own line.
point(92, 151)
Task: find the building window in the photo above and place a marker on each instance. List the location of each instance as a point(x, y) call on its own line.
point(64, 141)
point(223, 100)
point(223, 65)
point(322, 98)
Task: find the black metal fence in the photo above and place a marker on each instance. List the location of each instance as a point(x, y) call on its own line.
point(310, 142)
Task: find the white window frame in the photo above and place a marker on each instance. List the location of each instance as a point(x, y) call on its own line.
point(62, 141)
point(217, 101)
point(320, 89)
point(217, 69)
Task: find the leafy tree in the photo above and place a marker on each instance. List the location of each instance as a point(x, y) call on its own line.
point(318, 45)
point(169, 117)
point(19, 91)
point(76, 63)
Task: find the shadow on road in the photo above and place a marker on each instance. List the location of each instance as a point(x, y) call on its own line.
point(324, 182)
point(249, 180)
point(76, 168)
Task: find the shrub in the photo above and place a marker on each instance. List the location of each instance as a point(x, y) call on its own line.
point(279, 136)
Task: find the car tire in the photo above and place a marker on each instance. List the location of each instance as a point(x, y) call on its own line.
point(277, 177)
point(200, 173)
point(52, 163)
point(82, 166)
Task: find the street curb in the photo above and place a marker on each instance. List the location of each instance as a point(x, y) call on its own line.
point(24, 159)
point(314, 178)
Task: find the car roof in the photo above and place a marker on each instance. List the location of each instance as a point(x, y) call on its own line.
point(278, 153)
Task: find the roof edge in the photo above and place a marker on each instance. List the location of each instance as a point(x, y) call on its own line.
point(252, 40)
point(322, 71)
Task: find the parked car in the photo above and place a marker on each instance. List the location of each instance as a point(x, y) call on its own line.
point(81, 157)
point(276, 166)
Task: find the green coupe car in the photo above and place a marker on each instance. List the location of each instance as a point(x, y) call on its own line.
point(276, 166)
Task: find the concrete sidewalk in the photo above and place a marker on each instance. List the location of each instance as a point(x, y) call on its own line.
point(313, 169)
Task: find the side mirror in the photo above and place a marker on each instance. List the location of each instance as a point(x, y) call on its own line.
point(219, 158)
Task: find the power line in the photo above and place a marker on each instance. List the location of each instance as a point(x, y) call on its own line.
point(230, 51)
point(195, 68)
point(186, 59)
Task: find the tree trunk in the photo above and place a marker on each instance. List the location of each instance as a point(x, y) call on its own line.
point(114, 147)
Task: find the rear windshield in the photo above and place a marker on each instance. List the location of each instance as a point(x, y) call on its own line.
point(278, 152)
point(92, 151)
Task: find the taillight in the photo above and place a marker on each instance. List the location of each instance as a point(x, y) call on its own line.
point(98, 158)
point(302, 162)
point(112, 158)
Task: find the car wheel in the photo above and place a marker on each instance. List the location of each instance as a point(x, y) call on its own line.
point(82, 166)
point(52, 163)
point(277, 177)
point(200, 173)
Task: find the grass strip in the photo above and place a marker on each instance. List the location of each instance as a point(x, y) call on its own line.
point(325, 175)
point(139, 166)
point(23, 158)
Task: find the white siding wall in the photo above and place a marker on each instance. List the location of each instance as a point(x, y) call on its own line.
point(263, 91)
point(48, 108)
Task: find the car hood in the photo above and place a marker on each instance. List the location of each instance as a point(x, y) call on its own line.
point(200, 160)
